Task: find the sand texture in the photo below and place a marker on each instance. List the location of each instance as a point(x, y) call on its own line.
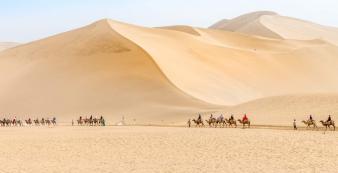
point(165, 149)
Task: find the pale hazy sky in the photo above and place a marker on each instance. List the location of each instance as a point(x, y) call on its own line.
point(27, 20)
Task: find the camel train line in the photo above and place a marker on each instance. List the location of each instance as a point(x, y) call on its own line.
point(220, 121)
point(28, 122)
point(327, 124)
point(90, 121)
point(245, 122)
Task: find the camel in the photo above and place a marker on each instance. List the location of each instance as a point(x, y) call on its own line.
point(19, 122)
point(79, 122)
point(199, 123)
point(28, 122)
point(54, 121)
point(36, 122)
point(310, 123)
point(232, 122)
point(47, 121)
point(328, 124)
point(221, 122)
point(211, 122)
point(42, 122)
point(247, 122)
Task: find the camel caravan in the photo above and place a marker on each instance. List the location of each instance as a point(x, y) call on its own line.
point(28, 122)
point(90, 121)
point(220, 121)
point(311, 123)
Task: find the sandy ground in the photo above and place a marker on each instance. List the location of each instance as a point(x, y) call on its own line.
point(166, 149)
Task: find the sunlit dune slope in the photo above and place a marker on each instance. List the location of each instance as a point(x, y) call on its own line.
point(91, 70)
point(270, 24)
point(230, 68)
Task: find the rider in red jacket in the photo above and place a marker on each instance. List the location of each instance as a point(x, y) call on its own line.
point(245, 118)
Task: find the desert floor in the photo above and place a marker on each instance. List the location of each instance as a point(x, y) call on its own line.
point(166, 149)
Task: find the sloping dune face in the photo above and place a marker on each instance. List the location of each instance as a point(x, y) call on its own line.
point(270, 24)
point(290, 28)
point(282, 110)
point(92, 70)
point(7, 45)
point(248, 23)
point(231, 68)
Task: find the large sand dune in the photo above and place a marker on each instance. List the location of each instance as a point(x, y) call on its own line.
point(92, 70)
point(164, 75)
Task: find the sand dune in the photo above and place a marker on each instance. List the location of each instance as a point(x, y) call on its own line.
point(7, 45)
point(270, 24)
point(248, 23)
point(92, 70)
point(163, 75)
point(233, 68)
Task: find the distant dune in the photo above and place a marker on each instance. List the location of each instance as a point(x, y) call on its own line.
point(7, 45)
point(166, 75)
point(270, 24)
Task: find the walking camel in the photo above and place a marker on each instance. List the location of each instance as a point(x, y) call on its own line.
point(310, 123)
point(246, 122)
point(198, 122)
point(328, 124)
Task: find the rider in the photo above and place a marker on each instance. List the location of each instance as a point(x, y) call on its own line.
point(199, 117)
point(211, 116)
point(232, 117)
point(245, 118)
point(310, 118)
point(329, 119)
point(221, 117)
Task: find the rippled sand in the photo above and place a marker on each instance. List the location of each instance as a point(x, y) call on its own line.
point(166, 149)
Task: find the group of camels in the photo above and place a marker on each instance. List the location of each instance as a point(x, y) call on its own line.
point(91, 121)
point(14, 122)
point(326, 124)
point(221, 122)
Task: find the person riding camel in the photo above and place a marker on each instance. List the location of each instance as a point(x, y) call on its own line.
point(329, 119)
point(245, 118)
point(310, 118)
point(231, 117)
point(199, 117)
point(221, 117)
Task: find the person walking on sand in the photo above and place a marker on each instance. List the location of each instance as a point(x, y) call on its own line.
point(72, 122)
point(189, 123)
point(294, 125)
